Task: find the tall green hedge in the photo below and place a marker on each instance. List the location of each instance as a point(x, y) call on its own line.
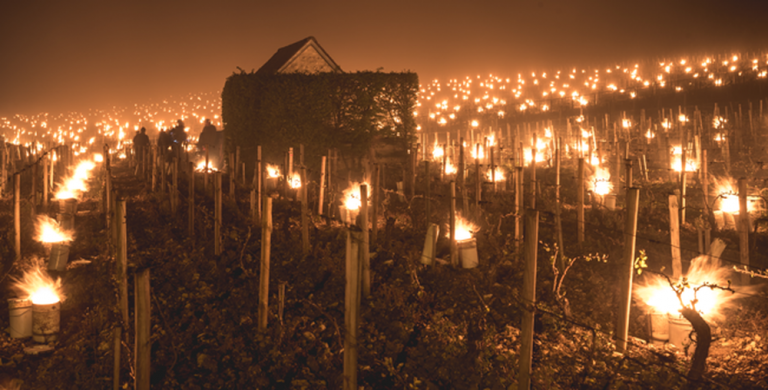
point(328, 110)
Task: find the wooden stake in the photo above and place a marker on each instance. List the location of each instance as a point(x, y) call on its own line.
point(518, 206)
point(45, 184)
point(232, 175)
point(259, 178)
point(191, 199)
point(217, 214)
point(143, 345)
point(352, 309)
point(674, 232)
point(17, 214)
point(558, 207)
point(304, 212)
point(206, 176)
point(321, 190)
point(580, 202)
point(427, 203)
point(630, 232)
point(529, 298)
point(705, 181)
point(478, 184)
point(116, 336)
point(376, 190)
point(743, 229)
point(266, 244)
point(121, 260)
point(452, 232)
point(281, 301)
point(175, 186)
point(364, 245)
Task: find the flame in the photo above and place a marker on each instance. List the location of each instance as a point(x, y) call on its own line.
point(729, 197)
point(602, 182)
point(495, 176)
point(352, 200)
point(464, 229)
point(475, 154)
point(450, 169)
point(438, 152)
point(273, 171)
point(37, 286)
point(48, 231)
point(649, 134)
point(202, 167)
point(75, 184)
point(655, 291)
point(295, 180)
point(677, 157)
point(98, 157)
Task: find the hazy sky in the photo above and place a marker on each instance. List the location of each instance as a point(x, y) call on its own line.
point(75, 55)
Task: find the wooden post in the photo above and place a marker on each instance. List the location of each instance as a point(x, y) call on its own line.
point(478, 184)
point(254, 207)
point(364, 245)
point(191, 199)
point(705, 181)
point(259, 177)
point(452, 226)
point(558, 207)
point(206, 176)
point(175, 186)
point(232, 175)
point(427, 203)
point(304, 212)
point(153, 150)
point(529, 298)
point(683, 179)
point(280, 301)
point(17, 214)
point(351, 309)
point(217, 214)
point(412, 177)
point(107, 188)
point(533, 174)
point(266, 243)
point(580, 202)
point(321, 189)
point(518, 206)
point(121, 260)
point(630, 231)
point(460, 172)
point(674, 232)
point(45, 184)
point(116, 336)
point(143, 345)
point(162, 174)
point(743, 229)
point(376, 193)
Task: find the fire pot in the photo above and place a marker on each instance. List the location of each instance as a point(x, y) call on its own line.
point(659, 326)
point(59, 257)
point(679, 329)
point(468, 253)
point(45, 322)
point(21, 318)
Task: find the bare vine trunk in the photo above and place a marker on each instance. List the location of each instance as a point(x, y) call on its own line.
point(703, 340)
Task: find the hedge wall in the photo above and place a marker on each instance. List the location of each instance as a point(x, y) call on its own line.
point(322, 111)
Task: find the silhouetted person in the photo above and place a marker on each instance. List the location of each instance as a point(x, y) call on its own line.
point(164, 142)
point(178, 136)
point(207, 137)
point(141, 144)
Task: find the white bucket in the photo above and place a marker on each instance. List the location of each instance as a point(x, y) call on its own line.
point(659, 326)
point(21, 318)
point(428, 255)
point(347, 216)
point(468, 253)
point(679, 329)
point(610, 201)
point(68, 206)
point(59, 257)
point(66, 221)
point(45, 322)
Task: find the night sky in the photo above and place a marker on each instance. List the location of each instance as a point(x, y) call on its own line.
point(76, 55)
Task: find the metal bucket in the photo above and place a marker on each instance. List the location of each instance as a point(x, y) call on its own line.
point(66, 221)
point(68, 206)
point(468, 253)
point(659, 326)
point(59, 257)
point(428, 255)
point(679, 329)
point(21, 318)
point(45, 322)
